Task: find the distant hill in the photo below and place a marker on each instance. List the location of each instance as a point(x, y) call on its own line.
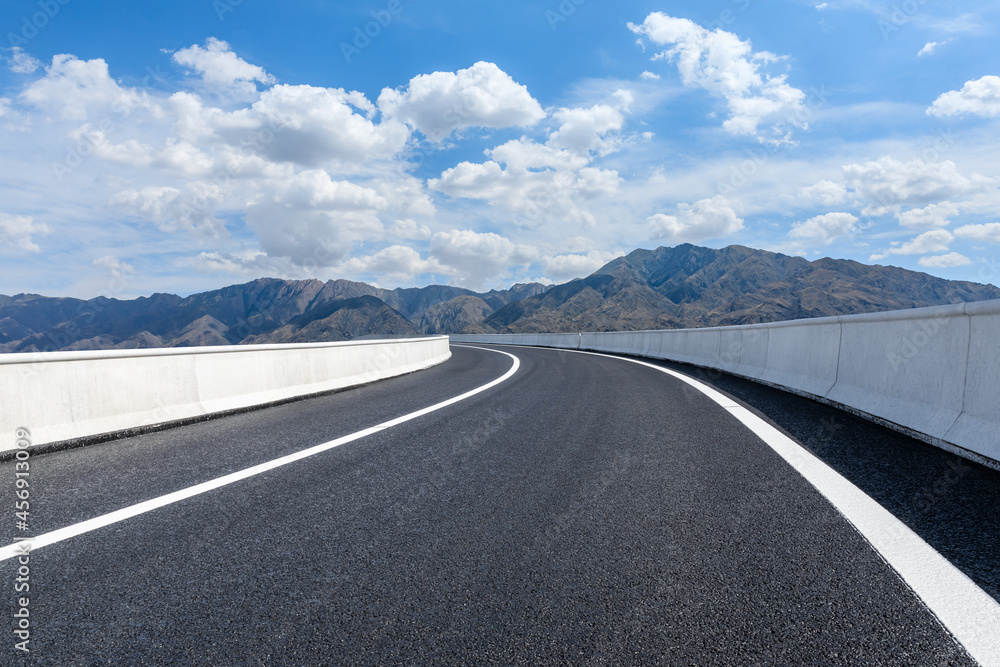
point(343, 319)
point(666, 288)
point(262, 311)
point(455, 315)
point(690, 286)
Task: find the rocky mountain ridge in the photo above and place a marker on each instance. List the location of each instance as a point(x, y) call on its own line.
point(689, 286)
point(680, 287)
point(267, 310)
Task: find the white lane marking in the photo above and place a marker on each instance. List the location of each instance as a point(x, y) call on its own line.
point(969, 613)
point(76, 529)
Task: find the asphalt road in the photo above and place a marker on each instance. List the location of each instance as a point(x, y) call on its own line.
point(585, 511)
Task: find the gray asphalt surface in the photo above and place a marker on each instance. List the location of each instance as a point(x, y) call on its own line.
point(587, 511)
point(952, 503)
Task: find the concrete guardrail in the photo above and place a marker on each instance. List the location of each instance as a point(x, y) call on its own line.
point(933, 373)
point(61, 397)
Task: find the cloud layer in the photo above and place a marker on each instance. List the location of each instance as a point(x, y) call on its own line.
point(215, 167)
point(727, 67)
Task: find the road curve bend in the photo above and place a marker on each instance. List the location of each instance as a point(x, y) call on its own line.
point(583, 510)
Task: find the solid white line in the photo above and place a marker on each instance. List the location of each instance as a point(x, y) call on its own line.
point(969, 613)
point(76, 529)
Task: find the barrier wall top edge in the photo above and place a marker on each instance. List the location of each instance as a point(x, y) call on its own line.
point(983, 307)
point(933, 312)
point(92, 355)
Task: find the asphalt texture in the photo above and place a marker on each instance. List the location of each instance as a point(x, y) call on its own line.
point(951, 502)
point(586, 511)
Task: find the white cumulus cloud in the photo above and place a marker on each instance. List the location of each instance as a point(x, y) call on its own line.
point(18, 232)
point(825, 229)
point(314, 190)
point(313, 220)
point(523, 155)
point(986, 233)
point(726, 66)
point(171, 209)
point(311, 126)
point(705, 219)
point(586, 130)
point(575, 265)
point(826, 193)
point(930, 47)
point(886, 183)
point(441, 103)
point(978, 98)
point(396, 264)
point(73, 88)
point(478, 258)
point(932, 215)
point(536, 182)
point(936, 240)
point(21, 61)
point(410, 230)
point(223, 72)
point(251, 263)
point(950, 260)
point(115, 266)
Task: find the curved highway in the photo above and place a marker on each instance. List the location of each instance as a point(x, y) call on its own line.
point(584, 510)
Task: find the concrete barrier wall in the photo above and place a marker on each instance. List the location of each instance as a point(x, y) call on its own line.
point(61, 396)
point(921, 387)
point(979, 421)
point(752, 350)
point(930, 372)
point(803, 355)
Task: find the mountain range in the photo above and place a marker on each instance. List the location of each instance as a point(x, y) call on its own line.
point(680, 287)
point(266, 310)
point(689, 286)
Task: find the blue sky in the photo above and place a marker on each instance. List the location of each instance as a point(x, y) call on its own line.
point(183, 146)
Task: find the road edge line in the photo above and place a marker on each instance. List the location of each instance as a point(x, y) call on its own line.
point(22, 547)
point(963, 608)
